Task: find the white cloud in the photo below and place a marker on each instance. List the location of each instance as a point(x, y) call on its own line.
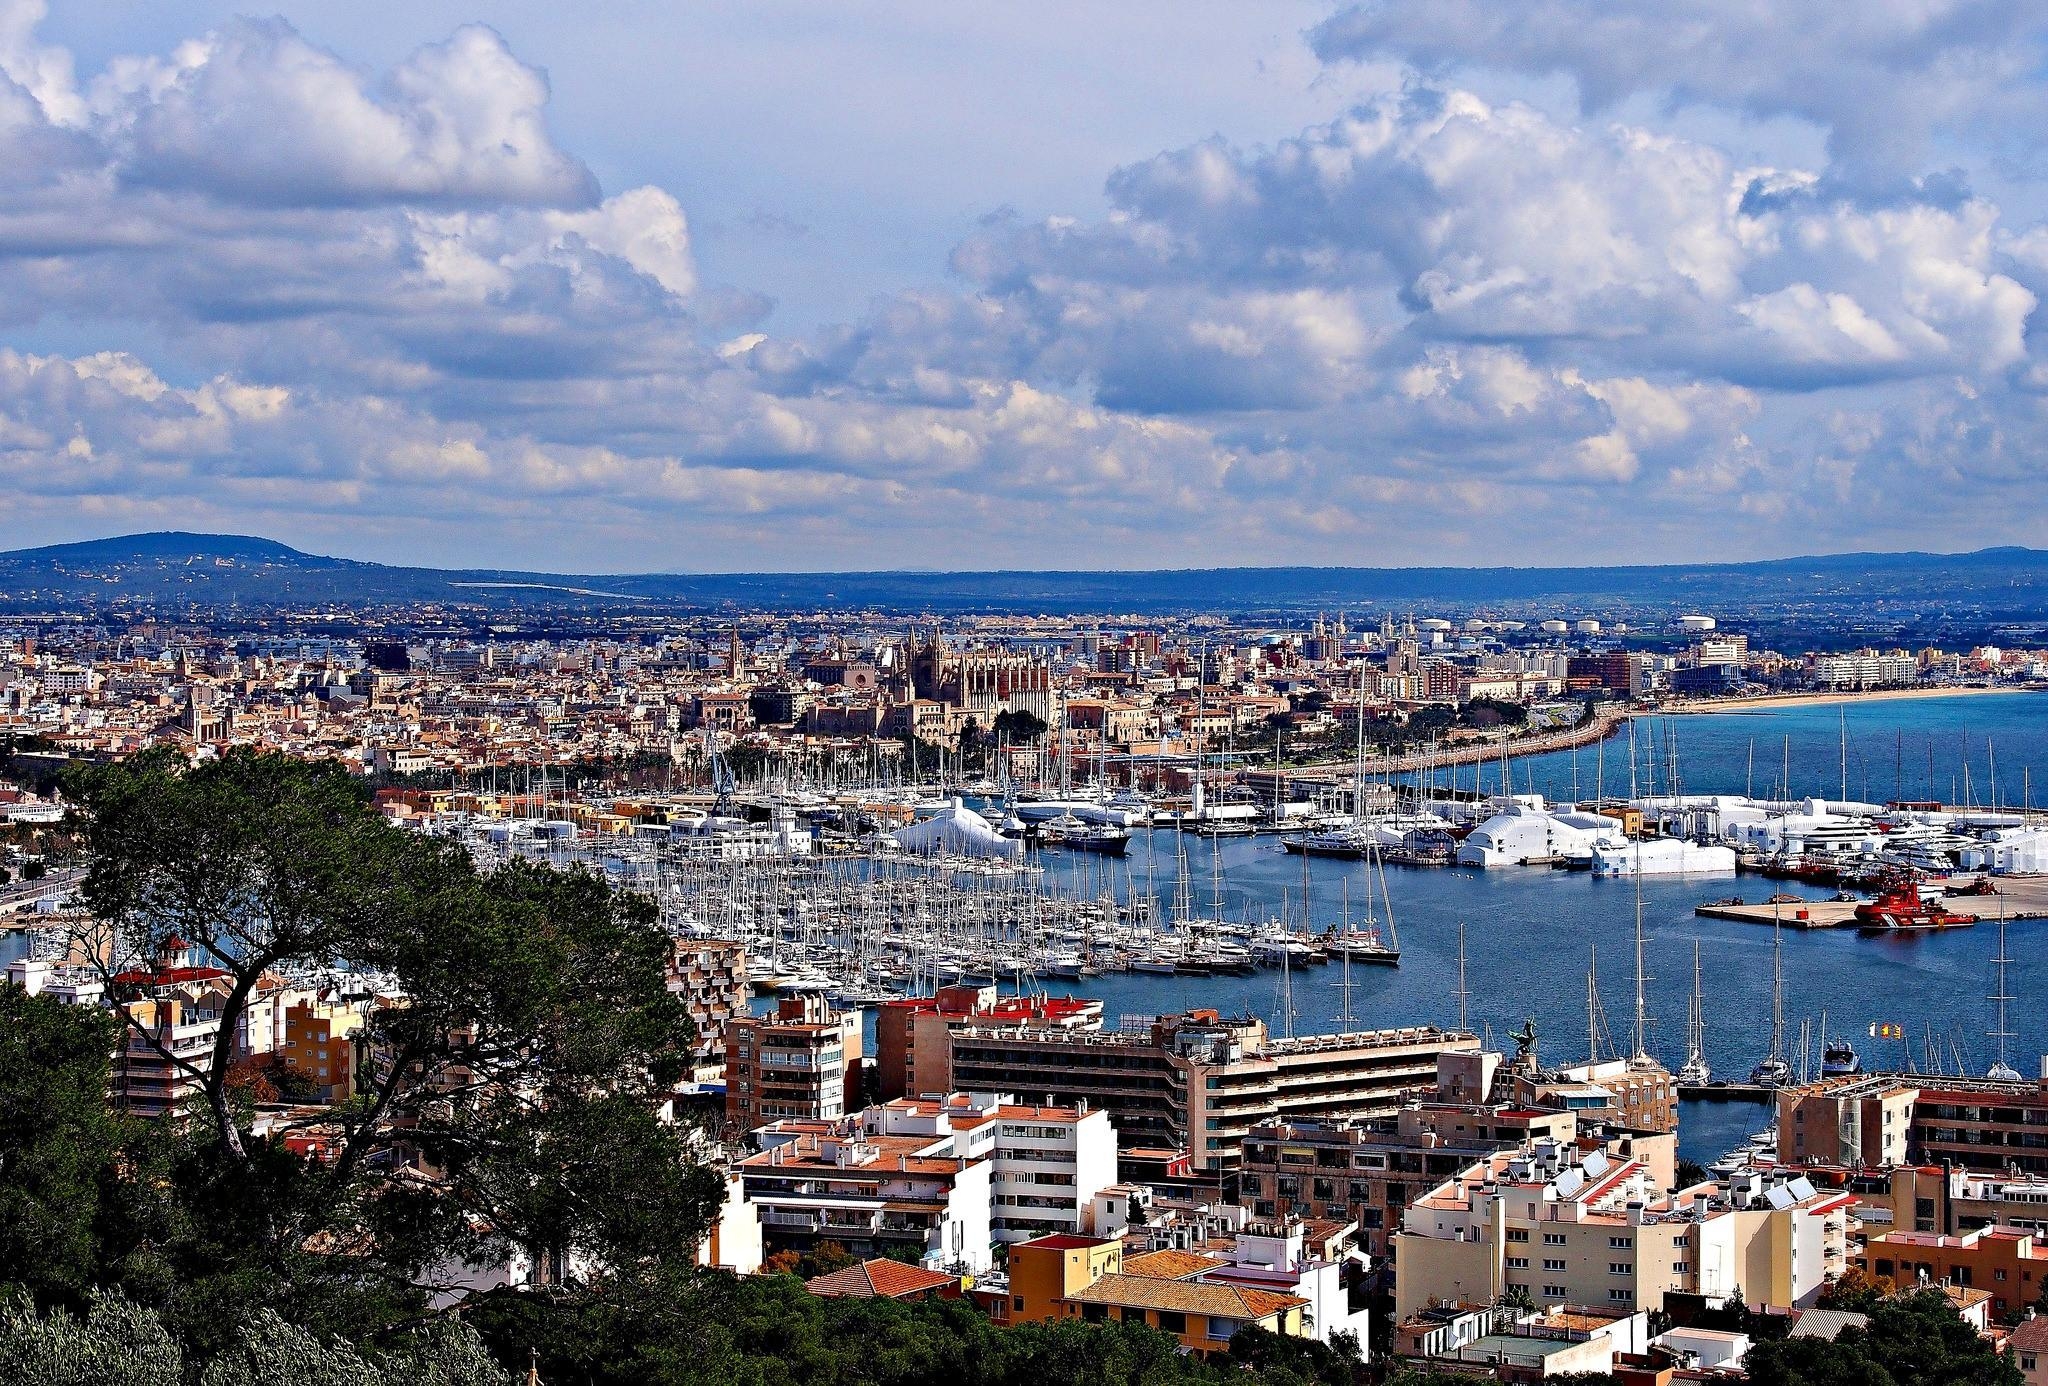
point(1882, 77)
point(1441, 326)
point(254, 113)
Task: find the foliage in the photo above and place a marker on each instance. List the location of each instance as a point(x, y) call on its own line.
point(710, 1329)
point(1913, 1340)
point(121, 1343)
point(1020, 727)
point(57, 1141)
point(1855, 1292)
point(117, 1343)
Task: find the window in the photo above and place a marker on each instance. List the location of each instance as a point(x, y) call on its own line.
point(1551, 1265)
point(1621, 1243)
point(1621, 1296)
point(1221, 1329)
point(1553, 1292)
point(1553, 1239)
point(1518, 1234)
point(1620, 1267)
point(1170, 1322)
point(1017, 1303)
point(1518, 1263)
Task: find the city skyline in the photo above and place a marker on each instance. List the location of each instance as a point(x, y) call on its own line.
point(1383, 285)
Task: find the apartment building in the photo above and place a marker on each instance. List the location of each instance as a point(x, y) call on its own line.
point(1638, 1092)
point(1589, 1228)
point(1068, 1277)
point(1202, 1080)
point(913, 1037)
point(872, 1194)
point(1984, 1124)
point(1368, 1172)
point(709, 976)
point(1047, 1163)
point(804, 1061)
point(325, 1047)
point(2008, 1263)
point(1862, 1120)
point(1865, 669)
point(149, 1076)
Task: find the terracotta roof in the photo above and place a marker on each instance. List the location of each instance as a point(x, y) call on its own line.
point(1185, 1297)
point(879, 1279)
point(1170, 1264)
point(2031, 1335)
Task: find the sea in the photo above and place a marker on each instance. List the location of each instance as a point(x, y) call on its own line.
point(1531, 935)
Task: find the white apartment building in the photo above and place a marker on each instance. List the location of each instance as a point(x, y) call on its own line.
point(1047, 1163)
point(1865, 669)
point(1596, 1230)
point(832, 1181)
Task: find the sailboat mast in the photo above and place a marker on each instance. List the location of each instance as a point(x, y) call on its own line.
point(1642, 1016)
point(1593, 1005)
point(1462, 993)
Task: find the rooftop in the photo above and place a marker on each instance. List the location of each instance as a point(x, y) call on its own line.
point(879, 1279)
point(1185, 1297)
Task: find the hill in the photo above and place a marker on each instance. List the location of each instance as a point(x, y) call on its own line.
point(203, 571)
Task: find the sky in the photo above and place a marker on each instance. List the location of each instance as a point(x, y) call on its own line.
point(795, 286)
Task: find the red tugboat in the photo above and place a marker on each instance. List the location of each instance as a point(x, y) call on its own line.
point(1900, 905)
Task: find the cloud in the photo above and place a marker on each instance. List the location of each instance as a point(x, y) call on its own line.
point(254, 113)
point(1444, 325)
point(1882, 78)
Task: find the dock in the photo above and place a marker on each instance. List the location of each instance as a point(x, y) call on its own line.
point(1807, 914)
point(2021, 897)
point(1725, 1092)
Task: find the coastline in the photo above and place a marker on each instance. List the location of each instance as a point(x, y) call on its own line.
point(1610, 721)
point(1771, 702)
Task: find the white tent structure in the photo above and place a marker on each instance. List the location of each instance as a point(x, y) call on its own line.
point(957, 831)
point(1522, 834)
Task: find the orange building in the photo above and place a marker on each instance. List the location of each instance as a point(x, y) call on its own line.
point(320, 1040)
point(2008, 1263)
point(1069, 1277)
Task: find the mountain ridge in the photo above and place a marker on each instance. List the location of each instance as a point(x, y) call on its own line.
point(183, 567)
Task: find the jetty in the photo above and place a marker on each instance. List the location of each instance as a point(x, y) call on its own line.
point(2023, 897)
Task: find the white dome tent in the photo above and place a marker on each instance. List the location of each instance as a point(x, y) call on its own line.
point(957, 831)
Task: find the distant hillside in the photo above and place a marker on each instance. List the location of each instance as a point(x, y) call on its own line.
point(217, 571)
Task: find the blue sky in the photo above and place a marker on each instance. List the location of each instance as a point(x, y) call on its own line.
point(778, 285)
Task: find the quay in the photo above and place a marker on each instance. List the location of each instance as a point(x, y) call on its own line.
point(2022, 897)
point(1725, 1092)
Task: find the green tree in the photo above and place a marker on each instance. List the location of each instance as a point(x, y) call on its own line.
point(1912, 1340)
point(57, 1141)
point(531, 1033)
point(117, 1343)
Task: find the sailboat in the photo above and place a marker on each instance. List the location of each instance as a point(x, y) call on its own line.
point(1774, 1072)
point(1694, 1072)
point(1364, 943)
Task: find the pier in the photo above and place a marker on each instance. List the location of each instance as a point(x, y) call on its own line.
point(1725, 1092)
point(2023, 897)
